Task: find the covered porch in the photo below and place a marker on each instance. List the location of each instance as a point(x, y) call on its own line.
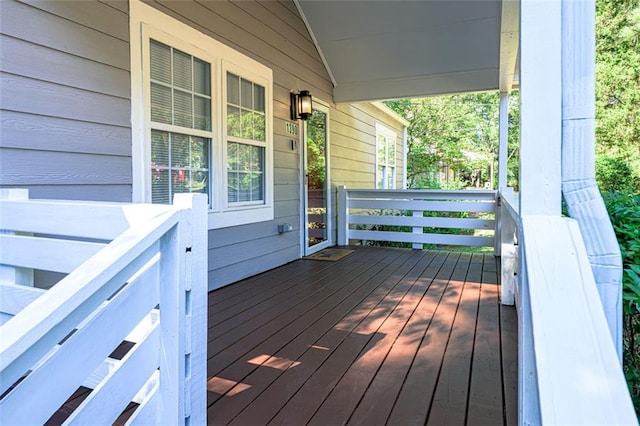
point(381, 336)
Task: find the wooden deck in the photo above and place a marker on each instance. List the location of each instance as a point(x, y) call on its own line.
point(383, 336)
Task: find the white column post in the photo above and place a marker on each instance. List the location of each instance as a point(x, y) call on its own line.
point(540, 160)
point(404, 157)
point(504, 141)
point(540, 107)
point(343, 212)
point(418, 229)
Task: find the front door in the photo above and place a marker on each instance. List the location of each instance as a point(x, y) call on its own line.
point(316, 181)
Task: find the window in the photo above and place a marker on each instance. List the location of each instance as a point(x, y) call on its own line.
point(180, 103)
point(385, 158)
point(202, 117)
point(245, 140)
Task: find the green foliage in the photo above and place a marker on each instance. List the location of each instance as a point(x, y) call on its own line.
point(614, 174)
point(387, 228)
point(316, 142)
point(453, 140)
point(618, 80)
point(409, 229)
point(624, 210)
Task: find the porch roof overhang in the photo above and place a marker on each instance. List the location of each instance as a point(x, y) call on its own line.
point(375, 50)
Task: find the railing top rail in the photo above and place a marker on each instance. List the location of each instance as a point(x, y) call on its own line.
point(434, 194)
point(579, 377)
point(511, 201)
point(75, 218)
point(44, 313)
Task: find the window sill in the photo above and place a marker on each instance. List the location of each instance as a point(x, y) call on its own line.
point(243, 216)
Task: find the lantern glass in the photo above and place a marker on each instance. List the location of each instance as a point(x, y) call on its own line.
point(301, 105)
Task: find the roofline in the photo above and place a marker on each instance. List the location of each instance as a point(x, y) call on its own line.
point(315, 43)
point(385, 109)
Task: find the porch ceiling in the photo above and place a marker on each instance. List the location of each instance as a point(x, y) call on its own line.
point(388, 49)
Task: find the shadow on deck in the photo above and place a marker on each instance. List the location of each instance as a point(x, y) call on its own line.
point(383, 336)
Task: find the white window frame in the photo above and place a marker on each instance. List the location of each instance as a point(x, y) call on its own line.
point(391, 138)
point(148, 23)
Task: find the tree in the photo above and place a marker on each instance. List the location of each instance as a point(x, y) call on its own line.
point(618, 81)
point(458, 133)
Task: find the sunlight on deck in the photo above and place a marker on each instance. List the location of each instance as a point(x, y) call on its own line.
point(224, 386)
point(273, 362)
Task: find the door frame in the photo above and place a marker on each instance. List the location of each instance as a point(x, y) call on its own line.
point(304, 248)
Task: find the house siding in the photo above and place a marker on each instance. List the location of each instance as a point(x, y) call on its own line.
point(273, 34)
point(66, 111)
point(65, 100)
point(353, 144)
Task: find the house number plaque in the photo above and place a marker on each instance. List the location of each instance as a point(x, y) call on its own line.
point(292, 129)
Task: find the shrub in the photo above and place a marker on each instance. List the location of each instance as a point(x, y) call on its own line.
point(614, 174)
point(624, 210)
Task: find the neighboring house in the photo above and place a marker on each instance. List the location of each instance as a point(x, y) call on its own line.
point(124, 101)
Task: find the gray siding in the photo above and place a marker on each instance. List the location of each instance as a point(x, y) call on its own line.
point(65, 107)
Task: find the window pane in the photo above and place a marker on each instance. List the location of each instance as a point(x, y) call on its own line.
point(160, 104)
point(246, 120)
point(245, 176)
point(160, 167)
point(233, 121)
point(160, 186)
point(233, 162)
point(258, 98)
point(244, 184)
point(160, 62)
point(259, 127)
point(159, 149)
point(180, 163)
point(179, 150)
point(256, 187)
point(199, 153)
point(380, 178)
point(246, 94)
point(257, 161)
point(391, 151)
point(201, 77)
point(184, 98)
point(202, 113)
point(232, 187)
point(382, 147)
point(233, 89)
point(243, 158)
point(182, 74)
point(183, 109)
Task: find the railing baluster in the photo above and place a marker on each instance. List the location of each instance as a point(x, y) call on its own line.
point(418, 229)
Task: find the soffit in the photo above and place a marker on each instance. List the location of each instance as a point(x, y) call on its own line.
point(388, 49)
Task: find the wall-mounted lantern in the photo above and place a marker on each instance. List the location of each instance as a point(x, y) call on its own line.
point(301, 105)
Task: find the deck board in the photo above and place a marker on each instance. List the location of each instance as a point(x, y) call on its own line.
point(485, 393)
point(348, 317)
point(383, 336)
point(293, 340)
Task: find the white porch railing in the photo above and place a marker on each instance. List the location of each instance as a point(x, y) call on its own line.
point(569, 370)
point(368, 209)
point(134, 273)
